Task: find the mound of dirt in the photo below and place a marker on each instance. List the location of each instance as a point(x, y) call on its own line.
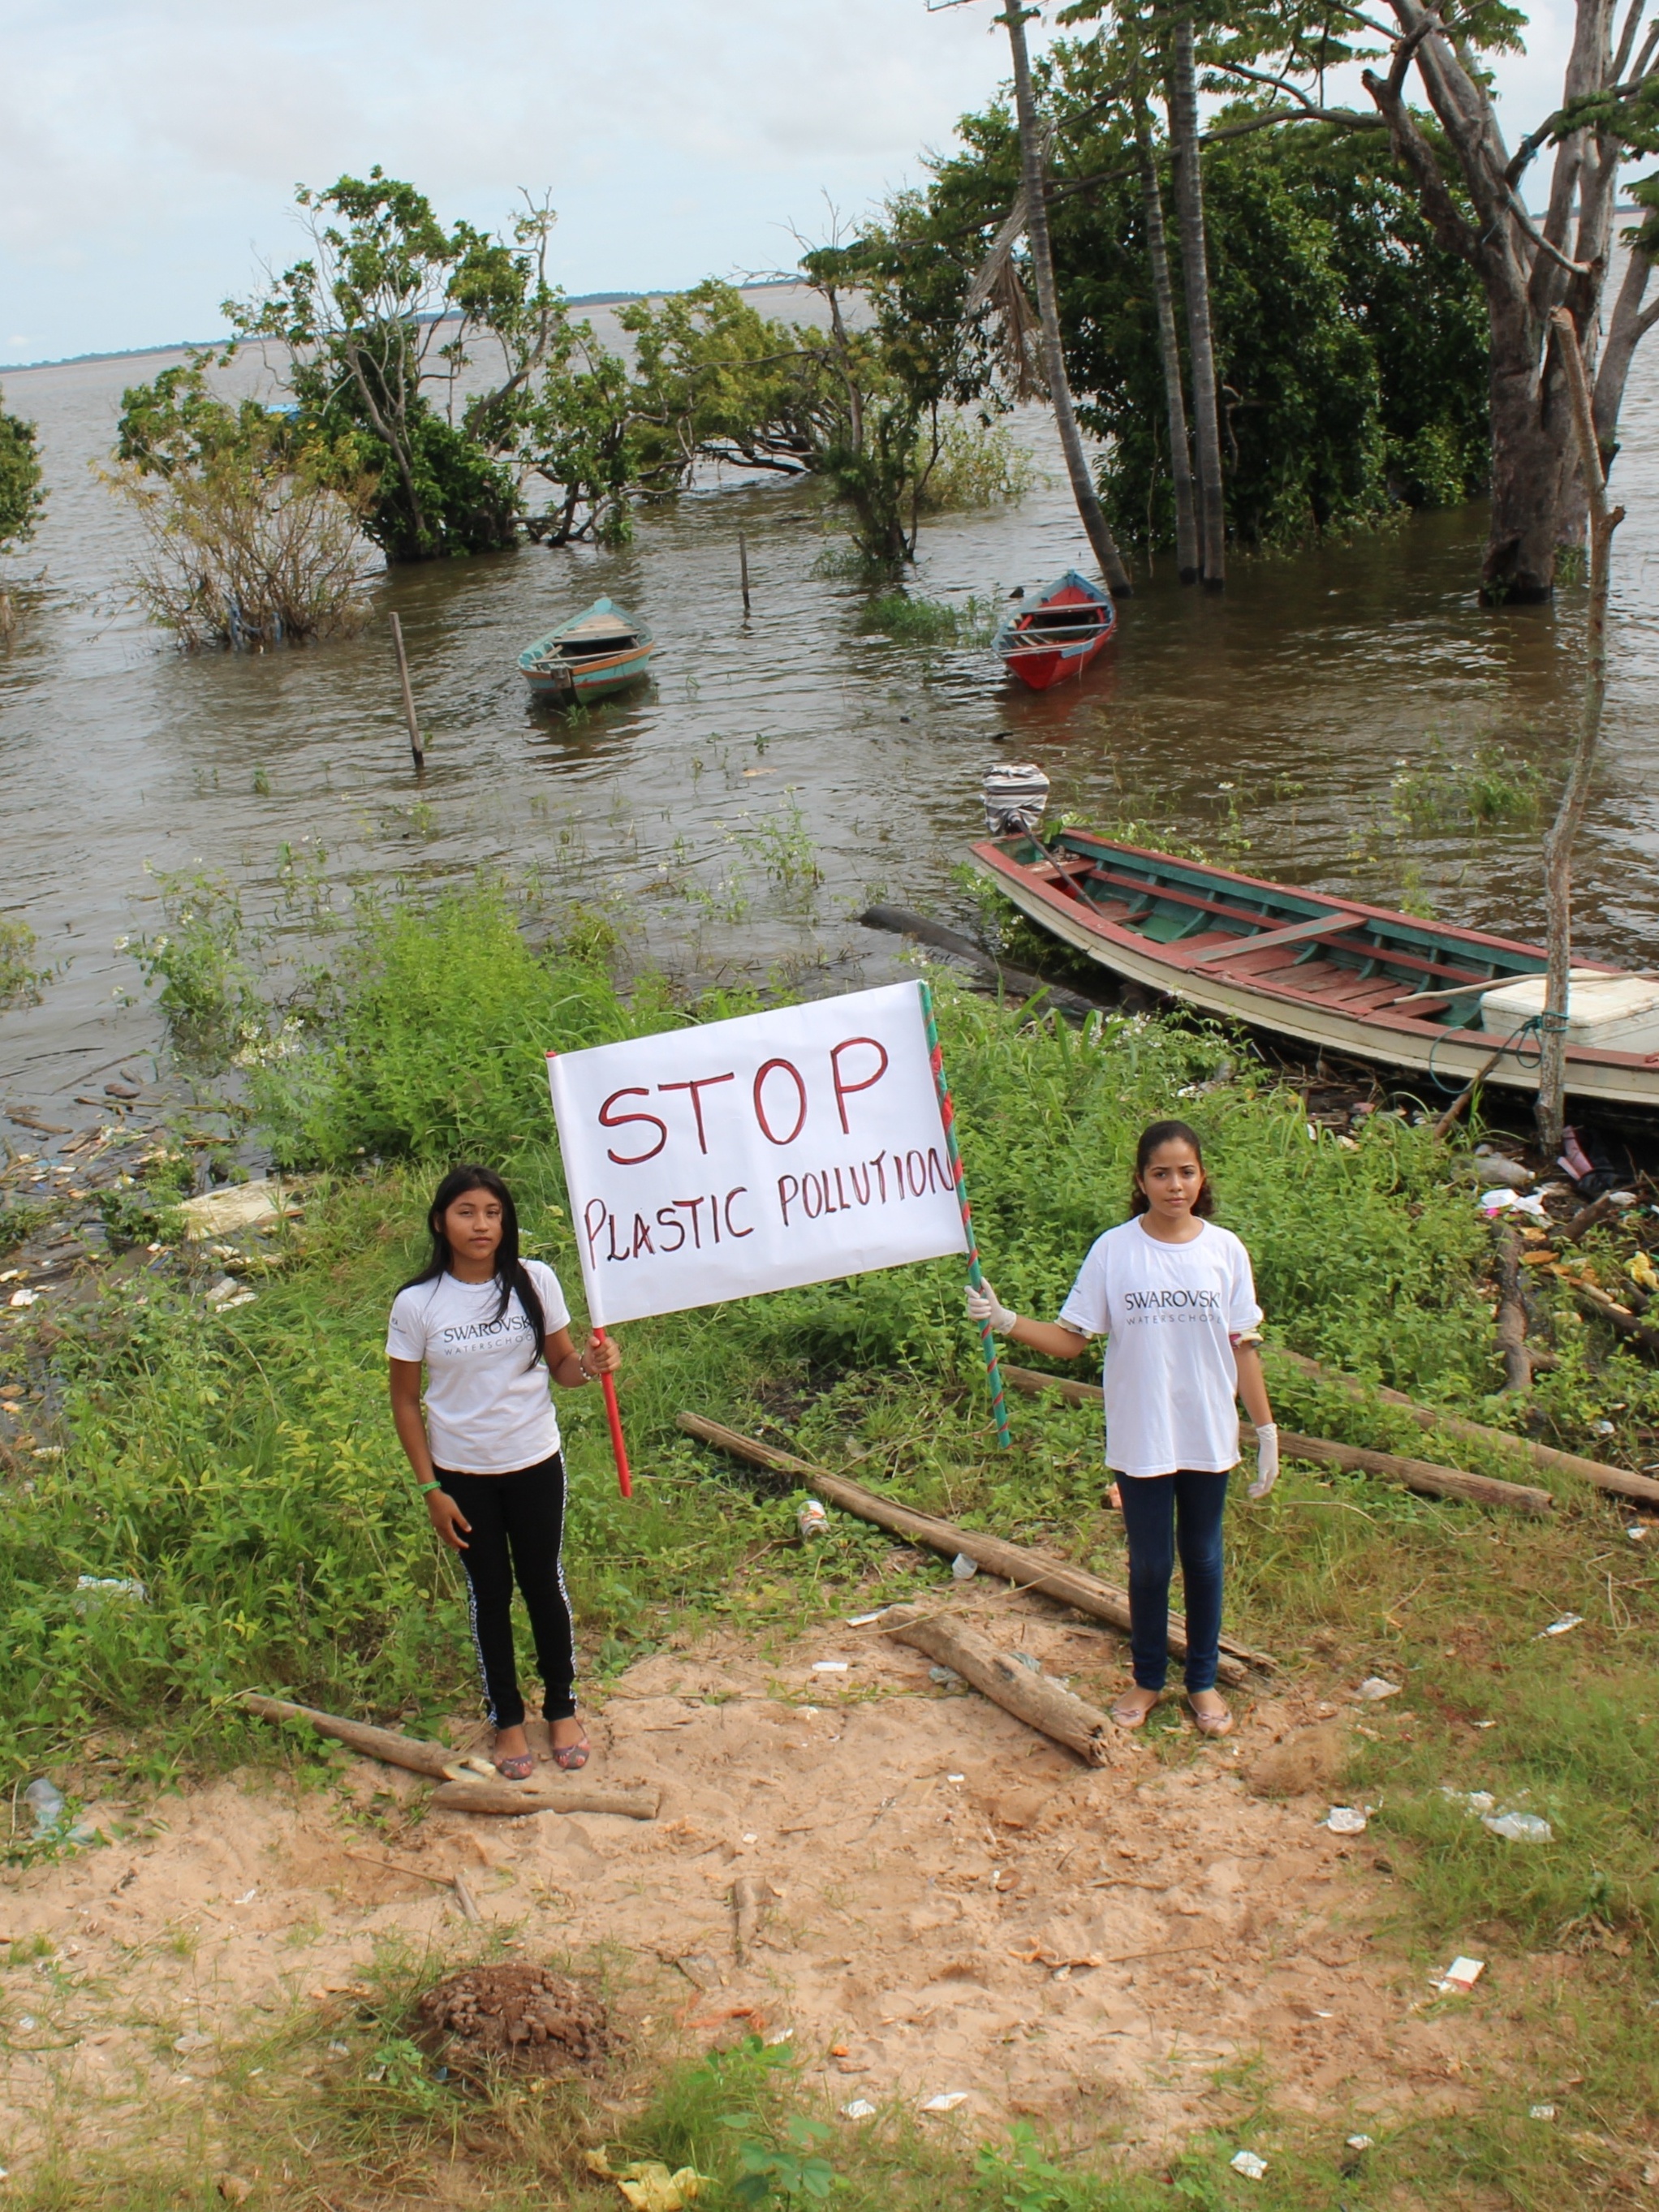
point(1306, 1762)
point(527, 2017)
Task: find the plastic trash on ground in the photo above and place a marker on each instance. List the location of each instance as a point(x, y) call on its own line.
point(1373, 1689)
point(1560, 1627)
point(864, 1620)
point(1361, 2142)
point(1498, 1169)
point(1519, 1827)
point(860, 2109)
point(963, 1568)
point(1345, 1821)
point(1540, 2111)
point(92, 1589)
point(1461, 1977)
point(829, 1666)
point(946, 2101)
point(946, 1677)
point(241, 1205)
point(648, 2185)
point(45, 1801)
point(812, 1519)
point(1471, 1800)
point(1246, 2163)
point(1494, 1202)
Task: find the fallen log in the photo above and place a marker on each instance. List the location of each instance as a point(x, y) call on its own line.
point(1615, 1480)
point(542, 1798)
point(384, 1744)
point(1596, 1300)
point(1036, 1570)
point(1511, 1310)
point(1029, 1696)
point(1418, 1475)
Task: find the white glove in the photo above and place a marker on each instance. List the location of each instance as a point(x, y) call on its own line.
point(1267, 1460)
point(984, 1305)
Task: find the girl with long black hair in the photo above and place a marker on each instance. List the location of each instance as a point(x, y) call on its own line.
point(491, 1329)
point(1173, 1294)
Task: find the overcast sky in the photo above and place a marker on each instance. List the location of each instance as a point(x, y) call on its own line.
point(148, 149)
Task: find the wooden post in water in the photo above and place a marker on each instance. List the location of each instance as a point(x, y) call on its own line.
point(743, 564)
point(415, 744)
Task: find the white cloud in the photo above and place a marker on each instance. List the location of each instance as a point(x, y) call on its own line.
point(148, 149)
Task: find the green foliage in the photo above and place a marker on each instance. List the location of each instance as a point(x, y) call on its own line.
point(927, 622)
point(1351, 351)
point(19, 981)
point(21, 494)
point(251, 531)
point(198, 960)
point(387, 299)
point(1492, 789)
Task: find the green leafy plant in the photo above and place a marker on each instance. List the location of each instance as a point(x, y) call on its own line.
point(792, 2168)
point(20, 979)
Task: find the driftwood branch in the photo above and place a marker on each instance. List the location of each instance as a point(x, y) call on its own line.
point(1029, 1696)
point(1030, 1569)
point(1614, 1479)
point(510, 1797)
point(1418, 1475)
point(1512, 1312)
point(1596, 1301)
point(384, 1744)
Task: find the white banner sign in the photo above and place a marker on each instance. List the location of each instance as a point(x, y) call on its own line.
point(752, 1155)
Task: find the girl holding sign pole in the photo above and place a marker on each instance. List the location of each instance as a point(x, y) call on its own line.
point(1174, 1298)
point(491, 1330)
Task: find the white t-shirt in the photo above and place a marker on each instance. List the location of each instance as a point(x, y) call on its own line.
point(1166, 1312)
point(488, 1409)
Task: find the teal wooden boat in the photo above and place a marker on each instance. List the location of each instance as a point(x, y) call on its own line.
point(1425, 998)
point(599, 651)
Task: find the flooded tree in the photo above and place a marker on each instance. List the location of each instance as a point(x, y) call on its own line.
point(250, 540)
point(1470, 186)
point(380, 324)
point(21, 495)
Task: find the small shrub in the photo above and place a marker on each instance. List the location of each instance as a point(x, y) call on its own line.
point(927, 622)
point(980, 465)
point(19, 981)
point(1494, 789)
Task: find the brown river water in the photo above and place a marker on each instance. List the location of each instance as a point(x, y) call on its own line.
point(1267, 726)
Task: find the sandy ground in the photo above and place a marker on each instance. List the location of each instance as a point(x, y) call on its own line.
point(952, 1905)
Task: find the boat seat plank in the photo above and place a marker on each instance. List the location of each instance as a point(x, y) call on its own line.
point(1321, 925)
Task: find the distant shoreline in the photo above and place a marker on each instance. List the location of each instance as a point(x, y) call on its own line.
point(199, 346)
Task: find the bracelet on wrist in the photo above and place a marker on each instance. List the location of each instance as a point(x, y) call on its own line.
point(433, 1484)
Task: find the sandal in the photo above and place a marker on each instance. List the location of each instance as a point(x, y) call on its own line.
point(570, 1758)
point(1211, 1724)
point(520, 1768)
point(1133, 1716)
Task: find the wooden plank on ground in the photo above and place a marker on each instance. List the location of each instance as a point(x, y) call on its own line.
point(1029, 1696)
point(1031, 1570)
point(1417, 1475)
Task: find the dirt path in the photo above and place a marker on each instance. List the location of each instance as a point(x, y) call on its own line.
point(951, 1906)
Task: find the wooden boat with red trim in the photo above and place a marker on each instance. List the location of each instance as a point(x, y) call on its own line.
point(1405, 993)
point(1059, 634)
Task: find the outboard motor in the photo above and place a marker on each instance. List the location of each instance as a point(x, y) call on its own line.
point(1015, 799)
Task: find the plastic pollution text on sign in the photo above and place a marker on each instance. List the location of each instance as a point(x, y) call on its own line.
point(757, 1154)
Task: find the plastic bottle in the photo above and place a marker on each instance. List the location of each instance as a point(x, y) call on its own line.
point(812, 1519)
point(1520, 1828)
point(963, 1568)
point(47, 1802)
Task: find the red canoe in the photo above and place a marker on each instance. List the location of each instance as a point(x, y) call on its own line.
point(1059, 634)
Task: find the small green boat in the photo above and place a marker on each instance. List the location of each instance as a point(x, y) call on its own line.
point(601, 650)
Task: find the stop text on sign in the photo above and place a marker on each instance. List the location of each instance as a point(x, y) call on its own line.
point(776, 1149)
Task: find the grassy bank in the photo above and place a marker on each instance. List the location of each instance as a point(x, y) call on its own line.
point(241, 1466)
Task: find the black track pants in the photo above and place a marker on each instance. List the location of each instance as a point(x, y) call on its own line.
point(518, 1533)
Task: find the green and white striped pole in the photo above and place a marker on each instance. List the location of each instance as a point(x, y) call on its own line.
point(947, 1113)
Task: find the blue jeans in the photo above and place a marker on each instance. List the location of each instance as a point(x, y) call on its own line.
point(1163, 1514)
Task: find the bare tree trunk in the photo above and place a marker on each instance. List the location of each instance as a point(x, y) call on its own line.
point(1195, 273)
point(1089, 508)
point(1558, 844)
point(1157, 254)
point(1628, 324)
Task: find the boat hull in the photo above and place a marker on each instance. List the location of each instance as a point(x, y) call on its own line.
point(579, 680)
point(1059, 634)
point(1446, 1058)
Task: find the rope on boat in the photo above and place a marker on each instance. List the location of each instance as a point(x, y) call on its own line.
point(1526, 1043)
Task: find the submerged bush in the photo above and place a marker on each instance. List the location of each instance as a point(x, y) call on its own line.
point(1492, 789)
point(927, 622)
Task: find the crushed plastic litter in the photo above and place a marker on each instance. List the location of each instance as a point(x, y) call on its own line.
point(860, 2109)
point(1361, 2142)
point(1345, 1821)
point(1373, 1689)
point(1519, 1827)
point(962, 1566)
point(946, 1677)
point(1540, 2111)
point(1246, 2163)
point(1560, 1627)
point(946, 2101)
point(107, 1586)
point(1494, 1202)
point(864, 1620)
point(812, 1520)
point(829, 1666)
